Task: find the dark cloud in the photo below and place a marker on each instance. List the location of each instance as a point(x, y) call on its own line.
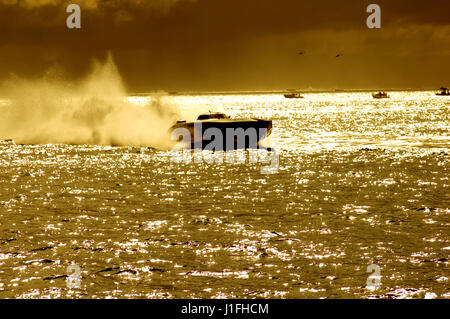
point(233, 44)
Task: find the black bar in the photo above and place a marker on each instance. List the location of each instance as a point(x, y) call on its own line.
point(233, 309)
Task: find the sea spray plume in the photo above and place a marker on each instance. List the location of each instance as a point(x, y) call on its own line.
point(92, 111)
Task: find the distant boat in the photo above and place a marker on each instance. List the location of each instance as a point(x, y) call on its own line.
point(444, 91)
point(293, 96)
point(380, 95)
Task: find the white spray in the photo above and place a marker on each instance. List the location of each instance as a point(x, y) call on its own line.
point(92, 111)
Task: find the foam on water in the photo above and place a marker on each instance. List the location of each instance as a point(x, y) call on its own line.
point(95, 110)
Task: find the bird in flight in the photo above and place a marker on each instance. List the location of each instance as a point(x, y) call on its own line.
point(339, 55)
point(301, 53)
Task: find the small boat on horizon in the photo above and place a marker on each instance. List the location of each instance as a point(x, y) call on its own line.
point(293, 96)
point(444, 91)
point(229, 134)
point(380, 95)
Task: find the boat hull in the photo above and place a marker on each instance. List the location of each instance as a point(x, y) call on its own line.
point(222, 134)
point(375, 96)
point(293, 96)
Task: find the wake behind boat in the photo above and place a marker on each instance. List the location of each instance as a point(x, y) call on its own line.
point(216, 131)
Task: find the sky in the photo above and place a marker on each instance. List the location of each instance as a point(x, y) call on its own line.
point(232, 45)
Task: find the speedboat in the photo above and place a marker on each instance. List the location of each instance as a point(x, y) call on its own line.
point(380, 95)
point(216, 131)
point(443, 91)
point(293, 96)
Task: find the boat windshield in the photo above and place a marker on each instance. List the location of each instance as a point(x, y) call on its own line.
point(211, 116)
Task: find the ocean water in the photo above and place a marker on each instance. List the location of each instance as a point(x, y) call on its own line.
point(359, 182)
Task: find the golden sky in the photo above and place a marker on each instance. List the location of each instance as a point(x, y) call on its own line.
point(208, 45)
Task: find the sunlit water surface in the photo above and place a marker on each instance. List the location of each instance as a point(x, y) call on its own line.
point(360, 181)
